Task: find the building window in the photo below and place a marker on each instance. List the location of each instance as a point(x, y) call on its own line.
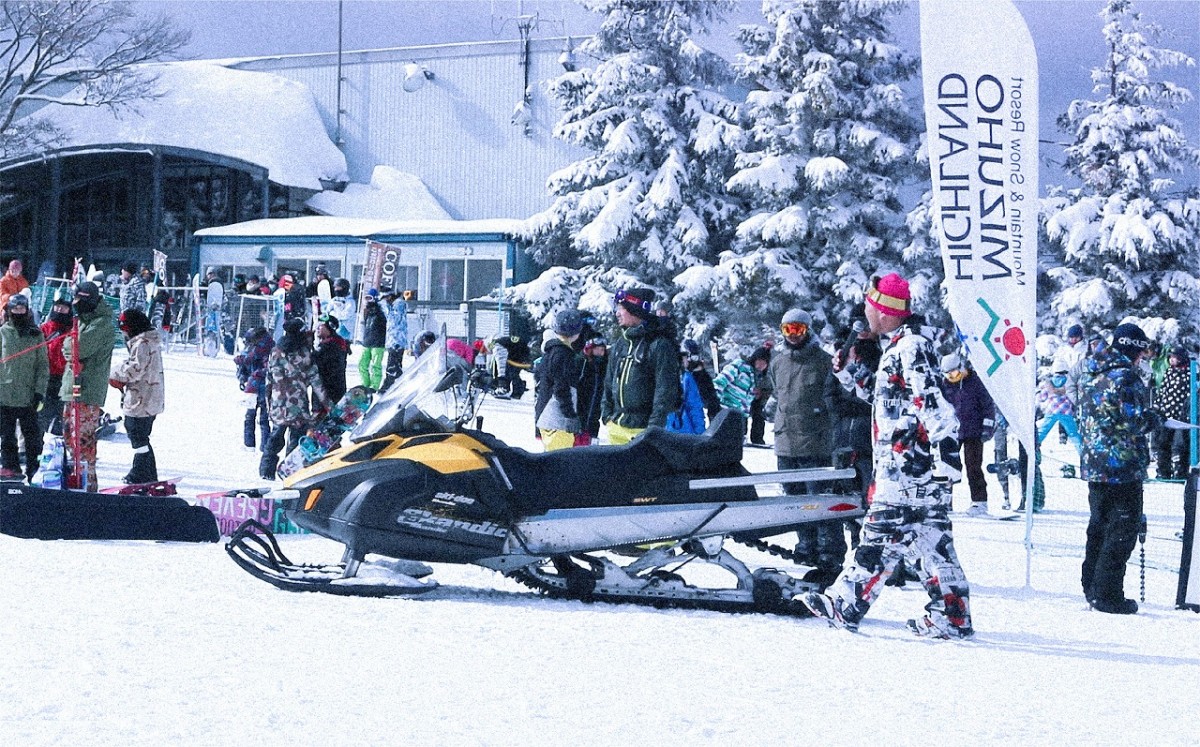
point(483, 276)
point(446, 278)
point(454, 280)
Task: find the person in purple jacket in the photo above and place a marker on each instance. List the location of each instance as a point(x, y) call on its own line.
point(976, 413)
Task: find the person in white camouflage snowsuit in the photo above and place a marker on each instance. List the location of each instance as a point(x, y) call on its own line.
point(916, 461)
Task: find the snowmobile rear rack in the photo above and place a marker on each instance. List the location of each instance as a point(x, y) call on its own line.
point(253, 547)
point(786, 476)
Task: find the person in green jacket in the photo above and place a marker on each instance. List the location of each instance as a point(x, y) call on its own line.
point(24, 372)
point(95, 346)
point(642, 382)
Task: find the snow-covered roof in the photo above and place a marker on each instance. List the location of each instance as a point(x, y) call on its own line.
point(261, 118)
point(391, 195)
point(324, 225)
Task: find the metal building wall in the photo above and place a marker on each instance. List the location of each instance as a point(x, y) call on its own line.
point(455, 132)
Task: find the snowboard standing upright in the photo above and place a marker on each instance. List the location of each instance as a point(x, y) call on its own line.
point(327, 433)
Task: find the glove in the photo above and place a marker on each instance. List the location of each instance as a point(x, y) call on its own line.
point(116, 384)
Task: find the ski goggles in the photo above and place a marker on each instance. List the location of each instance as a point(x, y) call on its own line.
point(956, 375)
point(794, 329)
point(623, 296)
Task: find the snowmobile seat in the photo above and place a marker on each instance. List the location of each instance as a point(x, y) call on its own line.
point(656, 464)
point(718, 446)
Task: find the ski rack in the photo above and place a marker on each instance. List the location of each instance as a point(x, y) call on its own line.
point(787, 476)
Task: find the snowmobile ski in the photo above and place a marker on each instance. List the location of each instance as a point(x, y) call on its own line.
point(254, 548)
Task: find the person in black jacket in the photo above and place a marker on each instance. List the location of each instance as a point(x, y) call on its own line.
point(591, 389)
point(330, 356)
point(642, 382)
point(374, 342)
point(555, 406)
point(694, 363)
point(852, 417)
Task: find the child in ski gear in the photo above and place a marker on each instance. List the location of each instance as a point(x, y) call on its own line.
point(374, 339)
point(290, 374)
point(759, 395)
point(252, 378)
point(330, 357)
point(689, 418)
point(396, 309)
point(976, 413)
point(916, 461)
point(140, 379)
point(55, 329)
point(803, 435)
point(94, 352)
point(1115, 416)
point(591, 389)
point(24, 372)
point(1057, 407)
point(642, 384)
point(737, 381)
point(1172, 447)
point(555, 406)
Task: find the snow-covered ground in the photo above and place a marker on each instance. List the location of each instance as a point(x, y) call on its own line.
point(135, 643)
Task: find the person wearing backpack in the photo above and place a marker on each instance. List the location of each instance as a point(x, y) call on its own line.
point(642, 384)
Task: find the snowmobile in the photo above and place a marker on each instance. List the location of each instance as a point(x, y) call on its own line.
point(415, 485)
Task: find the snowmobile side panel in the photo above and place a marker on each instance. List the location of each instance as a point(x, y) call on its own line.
point(444, 453)
point(40, 513)
point(399, 508)
point(588, 529)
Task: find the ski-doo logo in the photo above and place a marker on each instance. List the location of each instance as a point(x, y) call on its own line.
point(451, 499)
point(420, 519)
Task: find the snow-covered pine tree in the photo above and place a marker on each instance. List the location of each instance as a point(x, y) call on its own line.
point(649, 198)
point(830, 141)
point(1124, 243)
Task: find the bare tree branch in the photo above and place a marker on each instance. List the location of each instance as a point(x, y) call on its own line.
point(75, 53)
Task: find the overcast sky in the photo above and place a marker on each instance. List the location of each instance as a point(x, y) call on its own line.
point(1066, 32)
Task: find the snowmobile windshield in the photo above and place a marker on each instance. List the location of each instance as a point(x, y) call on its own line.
point(413, 397)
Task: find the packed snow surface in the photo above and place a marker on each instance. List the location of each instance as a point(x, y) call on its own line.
point(142, 643)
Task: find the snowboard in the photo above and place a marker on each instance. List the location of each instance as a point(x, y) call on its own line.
point(48, 514)
point(327, 434)
point(1001, 516)
point(158, 487)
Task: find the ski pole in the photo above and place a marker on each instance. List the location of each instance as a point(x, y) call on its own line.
point(1142, 562)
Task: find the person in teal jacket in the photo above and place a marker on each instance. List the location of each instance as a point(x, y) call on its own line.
point(96, 338)
point(24, 372)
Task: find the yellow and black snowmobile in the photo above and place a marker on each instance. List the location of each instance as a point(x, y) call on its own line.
point(414, 485)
